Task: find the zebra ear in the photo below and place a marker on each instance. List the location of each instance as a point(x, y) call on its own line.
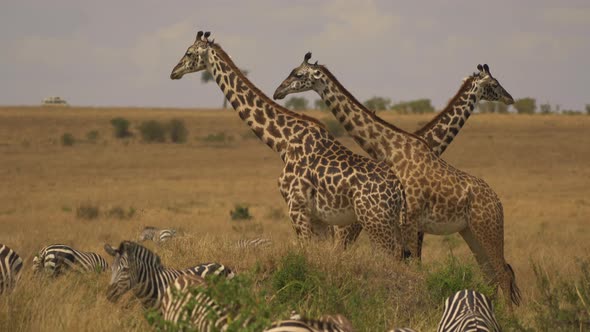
point(110, 250)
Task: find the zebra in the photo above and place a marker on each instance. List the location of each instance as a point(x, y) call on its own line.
point(10, 267)
point(156, 234)
point(56, 258)
point(253, 243)
point(468, 310)
point(204, 315)
point(402, 329)
point(136, 267)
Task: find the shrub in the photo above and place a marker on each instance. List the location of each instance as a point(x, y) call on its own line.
point(120, 213)
point(177, 130)
point(292, 279)
point(87, 211)
point(240, 212)
point(153, 131)
point(297, 103)
point(377, 103)
point(67, 139)
point(121, 127)
point(334, 127)
point(453, 275)
point(92, 135)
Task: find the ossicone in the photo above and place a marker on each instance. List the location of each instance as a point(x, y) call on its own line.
point(307, 57)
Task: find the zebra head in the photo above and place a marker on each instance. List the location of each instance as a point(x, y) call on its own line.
point(148, 233)
point(132, 264)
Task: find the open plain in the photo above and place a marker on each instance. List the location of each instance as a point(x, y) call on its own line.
point(539, 165)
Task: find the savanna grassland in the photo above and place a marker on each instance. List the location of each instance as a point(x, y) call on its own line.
point(539, 166)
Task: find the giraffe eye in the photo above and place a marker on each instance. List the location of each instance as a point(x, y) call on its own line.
point(298, 75)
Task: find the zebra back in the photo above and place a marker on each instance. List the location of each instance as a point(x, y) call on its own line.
point(10, 267)
point(402, 329)
point(307, 325)
point(138, 268)
point(468, 310)
point(56, 258)
point(253, 243)
point(185, 306)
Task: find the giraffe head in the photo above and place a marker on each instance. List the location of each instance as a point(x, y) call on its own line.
point(194, 59)
point(303, 78)
point(491, 90)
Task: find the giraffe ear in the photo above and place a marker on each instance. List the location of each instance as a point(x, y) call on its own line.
point(307, 57)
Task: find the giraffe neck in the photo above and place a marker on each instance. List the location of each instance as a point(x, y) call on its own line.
point(443, 129)
point(273, 124)
point(381, 140)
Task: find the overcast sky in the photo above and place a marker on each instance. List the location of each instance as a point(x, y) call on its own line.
point(121, 53)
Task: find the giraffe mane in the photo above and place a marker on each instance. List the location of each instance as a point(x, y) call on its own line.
point(257, 91)
point(465, 84)
point(363, 107)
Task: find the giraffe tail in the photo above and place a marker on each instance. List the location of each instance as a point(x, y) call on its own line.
point(514, 290)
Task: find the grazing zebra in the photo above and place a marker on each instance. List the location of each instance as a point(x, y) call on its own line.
point(253, 243)
point(468, 310)
point(136, 267)
point(403, 329)
point(156, 234)
point(324, 324)
point(55, 258)
point(10, 266)
point(204, 315)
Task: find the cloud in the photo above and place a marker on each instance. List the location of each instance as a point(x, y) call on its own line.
point(566, 16)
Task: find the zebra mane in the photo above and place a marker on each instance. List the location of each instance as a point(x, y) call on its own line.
point(136, 252)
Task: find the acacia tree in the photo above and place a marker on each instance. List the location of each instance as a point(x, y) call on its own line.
point(525, 105)
point(206, 77)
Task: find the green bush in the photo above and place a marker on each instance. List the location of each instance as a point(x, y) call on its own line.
point(177, 130)
point(240, 212)
point(152, 131)
point(87, 211)
point(67, 139)
point(120, 213)
point(453, 275)
point(121, 127)
point(292, 279)
point(334, 127)
point(92, 136)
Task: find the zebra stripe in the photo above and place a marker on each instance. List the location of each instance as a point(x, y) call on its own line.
point(468, 310)
point(204, 315)
point(136, 267)
point(403, 329)
point(307, 325)
point(10, 267)
point(56, 258)
point(253, 243)
point(156, 235)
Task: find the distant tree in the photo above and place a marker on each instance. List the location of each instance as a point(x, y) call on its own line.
point(545, 108)
point(297, 103)
point(588, 109)
point(415, 106)
point(377, 103)
point(320, 105)
point(206, 77)
point(525, 105)
point(486, 107)
point(501, 108)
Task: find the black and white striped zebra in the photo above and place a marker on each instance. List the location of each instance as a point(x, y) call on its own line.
point(56, 258)
point(186, 307)
point(253, 243)
point(402, 329)
point(136, 267)
point(10, 267)
point(468, 310)
point(156, 234)
point(324, 324)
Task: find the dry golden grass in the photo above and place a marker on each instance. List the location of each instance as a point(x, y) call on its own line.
point(537, 164)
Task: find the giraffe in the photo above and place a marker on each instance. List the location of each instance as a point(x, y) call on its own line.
point(439, 132)
point(321, 178)
point(440, 198)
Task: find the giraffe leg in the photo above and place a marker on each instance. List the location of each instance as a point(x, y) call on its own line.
point(382, 226)
point(489, 236)
point(345, 236)
point(300, 215)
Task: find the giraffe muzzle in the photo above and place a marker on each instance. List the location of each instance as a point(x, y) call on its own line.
point(176, 72)
point(278, 95)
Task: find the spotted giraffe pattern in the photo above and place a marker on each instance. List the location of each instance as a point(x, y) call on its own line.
point(440, 198)
point(321, 179)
